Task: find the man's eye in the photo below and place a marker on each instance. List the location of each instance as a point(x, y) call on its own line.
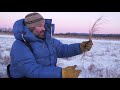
point(39, 26)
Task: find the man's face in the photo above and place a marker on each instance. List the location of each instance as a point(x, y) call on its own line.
point(39, 31)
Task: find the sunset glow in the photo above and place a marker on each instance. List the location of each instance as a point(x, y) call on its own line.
point(78, 22)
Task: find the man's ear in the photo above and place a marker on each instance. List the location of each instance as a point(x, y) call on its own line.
point(31, 29)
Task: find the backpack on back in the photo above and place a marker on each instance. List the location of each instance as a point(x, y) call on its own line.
point(8, 66)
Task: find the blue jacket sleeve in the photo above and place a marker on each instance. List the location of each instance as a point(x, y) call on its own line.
point(65, 50)
point(26, 64)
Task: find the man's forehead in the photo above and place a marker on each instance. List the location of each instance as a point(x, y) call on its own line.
point(42, 23)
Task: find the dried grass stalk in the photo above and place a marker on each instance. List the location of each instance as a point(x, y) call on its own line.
point(93, 30)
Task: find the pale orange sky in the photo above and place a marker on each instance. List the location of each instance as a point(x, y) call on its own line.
point(78, 22)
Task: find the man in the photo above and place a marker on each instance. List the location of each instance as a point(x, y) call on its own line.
point(40, 62)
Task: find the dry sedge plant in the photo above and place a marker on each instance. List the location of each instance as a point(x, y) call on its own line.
point(94, 28)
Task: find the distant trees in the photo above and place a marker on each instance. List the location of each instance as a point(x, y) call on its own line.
point(86, 35)
point(6, 30)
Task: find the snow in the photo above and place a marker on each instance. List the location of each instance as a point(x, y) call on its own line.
point(102, 61)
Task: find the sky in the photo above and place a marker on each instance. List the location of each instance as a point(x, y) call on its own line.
point(71, 22)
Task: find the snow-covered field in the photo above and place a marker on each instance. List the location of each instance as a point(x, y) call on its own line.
point(102, 61)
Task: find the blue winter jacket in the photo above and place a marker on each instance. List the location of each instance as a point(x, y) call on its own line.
point(42, 62)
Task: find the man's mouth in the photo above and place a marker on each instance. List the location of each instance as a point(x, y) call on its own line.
point(42, 31)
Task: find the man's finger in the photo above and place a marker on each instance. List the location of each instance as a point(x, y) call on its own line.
point(88, 46)
point(73, 67)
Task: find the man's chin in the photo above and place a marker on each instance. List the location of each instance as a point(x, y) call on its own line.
point(41, 37)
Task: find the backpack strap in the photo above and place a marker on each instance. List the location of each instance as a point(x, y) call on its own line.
point(8, 71)
point(28, 45)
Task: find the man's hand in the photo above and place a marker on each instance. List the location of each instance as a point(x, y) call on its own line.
point(70, 72)
point(86, 45)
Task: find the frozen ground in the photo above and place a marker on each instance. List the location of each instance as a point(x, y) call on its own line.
point(102, 61)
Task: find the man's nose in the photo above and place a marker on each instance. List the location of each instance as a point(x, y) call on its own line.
point(43, 28)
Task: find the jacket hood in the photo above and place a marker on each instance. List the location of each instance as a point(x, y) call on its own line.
point(21, 32)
